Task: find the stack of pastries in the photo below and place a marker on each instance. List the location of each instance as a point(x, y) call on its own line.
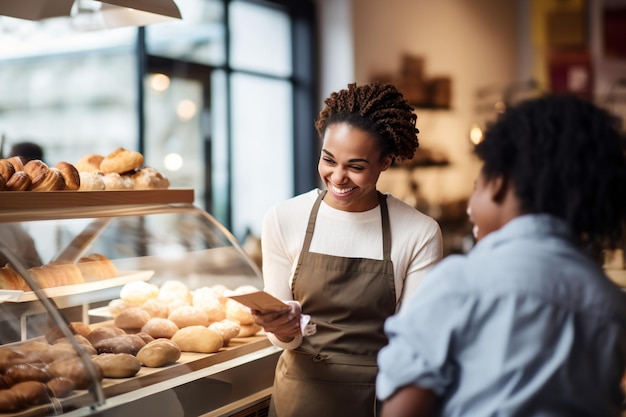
point(122, 169)
point(36, 175)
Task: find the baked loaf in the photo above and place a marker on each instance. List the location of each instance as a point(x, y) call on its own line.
point(11, 280)
point(120, 161)
point(96, 267)
point(158, 353)
point(60, 387)
point(75, 370)
point(185, 316)
point(198, 339)
point(117, 365)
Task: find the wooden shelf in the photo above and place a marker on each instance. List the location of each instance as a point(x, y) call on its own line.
point(28, 200)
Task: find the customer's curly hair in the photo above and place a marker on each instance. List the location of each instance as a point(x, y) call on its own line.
point(565, 157)
point(379, 109)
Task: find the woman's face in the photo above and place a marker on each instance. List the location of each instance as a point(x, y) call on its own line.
point(349, 166)
point(482, 210)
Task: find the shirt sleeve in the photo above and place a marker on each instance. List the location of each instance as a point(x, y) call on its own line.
point(422, 336)
point(428, 252)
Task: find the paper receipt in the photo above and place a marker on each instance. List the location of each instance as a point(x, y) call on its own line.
point(259, 300)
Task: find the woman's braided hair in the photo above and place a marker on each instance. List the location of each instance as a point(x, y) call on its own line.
point(379, 109)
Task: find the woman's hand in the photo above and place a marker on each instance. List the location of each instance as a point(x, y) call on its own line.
point(284, 324)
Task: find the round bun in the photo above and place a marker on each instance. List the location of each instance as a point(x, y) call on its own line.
point(6, 169)
point(226, 328)
point(116, 306)
point(156, 308)
point(238, 312)
point(121, 160)
point(133, 318)
point(148, 178)
point(70, 175)
point(158, 327)
point(198, 339)
point(138, 292)
point(91, 180)
point(19, 181)
point(89, 163)
point(115, 181)
point(52, 180)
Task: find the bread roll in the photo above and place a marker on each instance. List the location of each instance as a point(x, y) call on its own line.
point(10, 401)
point(238, 312)
point(158, 327)
point(172, 291)
point(26, 372)
point(89, 163)
point(158, 353)
point(149, 179)
point(249, 330)
point(19, 181)
point(70, 175)
point(132, 318)
point(138, 292)
point(117, 365)
point(208, 301)
point(156, 308)
point(198, 339)
point(226, 328)
point(115, 181)
point(31, 392)
point(105, 332)
point(125, 343)
point(60, 387)
point(144, 336)
point(91, 181)
point(186, 316)
point(75, 370)
point(121, 160)
point(35, 352)
point(116, 306)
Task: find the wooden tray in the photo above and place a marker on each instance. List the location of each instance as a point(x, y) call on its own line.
point(188, 362)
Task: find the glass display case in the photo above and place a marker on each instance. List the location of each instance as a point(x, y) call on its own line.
point(75, 253)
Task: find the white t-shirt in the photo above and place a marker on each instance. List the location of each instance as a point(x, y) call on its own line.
point(416, 241)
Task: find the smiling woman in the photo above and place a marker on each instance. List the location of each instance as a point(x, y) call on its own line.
point(330, 254)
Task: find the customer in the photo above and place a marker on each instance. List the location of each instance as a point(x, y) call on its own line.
point(526, 324)
point(362, 254)
point(27, 151)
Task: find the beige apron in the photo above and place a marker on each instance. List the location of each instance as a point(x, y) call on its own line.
point(333, 372)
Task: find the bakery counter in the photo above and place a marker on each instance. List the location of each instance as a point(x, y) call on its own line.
point(238, 376)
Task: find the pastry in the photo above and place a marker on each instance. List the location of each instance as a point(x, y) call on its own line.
point(91, 181)
point(89, 163)
point(148, 179)
point(17, 163)
point(198, 339)
point(36, 170)
point(121, 160)
point(19, 181)
point(51, 180)
point(70, 175)
point(6, 169)
point(158, 353)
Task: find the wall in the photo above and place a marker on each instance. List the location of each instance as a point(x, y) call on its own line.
point(473, 42)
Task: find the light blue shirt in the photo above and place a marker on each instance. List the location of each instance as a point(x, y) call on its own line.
point(524, 325)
